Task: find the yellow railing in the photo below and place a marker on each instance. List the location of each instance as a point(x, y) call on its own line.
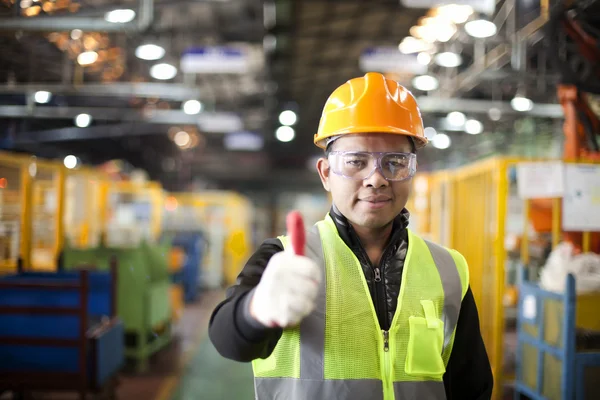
point(14, 210)
point(472, 209)
point(477, 205)
point(82, 207)
point(468, 211)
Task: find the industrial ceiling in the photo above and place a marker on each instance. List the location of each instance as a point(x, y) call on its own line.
point(295, 53)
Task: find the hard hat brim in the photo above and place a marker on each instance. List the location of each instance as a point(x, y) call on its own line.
point(420, 141)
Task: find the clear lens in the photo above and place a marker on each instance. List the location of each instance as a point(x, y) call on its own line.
point(362, 165)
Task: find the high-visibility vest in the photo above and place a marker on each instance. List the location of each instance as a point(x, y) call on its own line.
point(340, 352)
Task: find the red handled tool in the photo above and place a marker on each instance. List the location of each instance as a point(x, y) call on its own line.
point(295, 228)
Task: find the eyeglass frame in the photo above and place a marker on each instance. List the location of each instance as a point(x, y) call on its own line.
point(378, 156)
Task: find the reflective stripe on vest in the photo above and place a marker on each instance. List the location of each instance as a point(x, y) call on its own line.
point(369, 389)
point(296, 369)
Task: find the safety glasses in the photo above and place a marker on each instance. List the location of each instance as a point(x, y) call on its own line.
point(361, 165)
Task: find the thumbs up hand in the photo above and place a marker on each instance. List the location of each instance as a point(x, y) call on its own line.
point(288, 289)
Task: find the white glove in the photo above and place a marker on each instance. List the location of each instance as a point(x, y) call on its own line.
point(287, 290)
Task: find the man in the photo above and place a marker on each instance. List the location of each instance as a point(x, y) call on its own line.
point(371, 311)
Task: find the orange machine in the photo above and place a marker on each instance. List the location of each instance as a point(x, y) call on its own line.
point(582, 125)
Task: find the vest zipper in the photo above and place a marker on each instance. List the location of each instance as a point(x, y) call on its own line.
point(388, 379)
point(386, 341)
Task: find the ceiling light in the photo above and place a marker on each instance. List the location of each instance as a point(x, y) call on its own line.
point(182, 138)
point(434, 29)
point(441, 141)
point(425, 83)
point(411, 45)
point(481, 28)
point(192, 107)
point(456, 119)
point(87, 58)
point(269, 14)
point(83, 120)
point(120, 16)
point(243, 141)
point(76, 34)
point(163, 71)
point(423, 58)
point(453, 12)
point(288, 118)
point(427, 33)
point(285, 134)
point(521, 103)
point(495, 114)
point(70, 162)
point(269, 43)
point(42, 97)
point(473, 127)
point(430, 133)
point(444, 32)
point(448, 59)
point(149, 52)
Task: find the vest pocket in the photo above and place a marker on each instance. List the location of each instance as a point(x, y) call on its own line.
point(425, 344)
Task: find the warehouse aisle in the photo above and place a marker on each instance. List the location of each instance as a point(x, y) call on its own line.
point(201, 373)
point(211, 377)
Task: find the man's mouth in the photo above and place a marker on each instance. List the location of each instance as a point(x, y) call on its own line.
point(376, 201)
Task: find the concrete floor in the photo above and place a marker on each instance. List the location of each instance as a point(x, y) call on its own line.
point(211, 377)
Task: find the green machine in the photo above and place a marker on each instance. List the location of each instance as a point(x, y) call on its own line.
point(143, 292)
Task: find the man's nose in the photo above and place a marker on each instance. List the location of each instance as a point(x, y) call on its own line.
point(376, 180)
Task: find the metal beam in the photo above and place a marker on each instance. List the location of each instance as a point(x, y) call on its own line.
point(144, 20)
point(91, 132)
point(215, 122)
point(433, 104)
point(498, 57)
point(167, 91)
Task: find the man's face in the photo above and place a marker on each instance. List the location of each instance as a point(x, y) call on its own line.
point(374, 202)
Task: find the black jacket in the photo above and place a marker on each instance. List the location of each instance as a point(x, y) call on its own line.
point(238, 337)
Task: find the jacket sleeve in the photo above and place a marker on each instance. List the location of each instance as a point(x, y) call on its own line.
point(469, 374)
point(233, 332)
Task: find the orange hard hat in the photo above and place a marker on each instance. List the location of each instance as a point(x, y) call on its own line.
point(371, 104)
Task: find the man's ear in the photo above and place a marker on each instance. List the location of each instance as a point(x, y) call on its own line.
point(324, 170)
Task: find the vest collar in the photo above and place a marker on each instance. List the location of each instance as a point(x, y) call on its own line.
point(350, 237)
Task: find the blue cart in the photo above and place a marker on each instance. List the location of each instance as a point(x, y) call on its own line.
point(553, 362)
point(59, 332)
point(192, 244)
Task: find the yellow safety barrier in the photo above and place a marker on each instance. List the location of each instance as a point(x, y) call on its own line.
point(47, 189)
point(476, 210)
point(419, 206)
point(477, 198)
point(82, 219)
point(14, 215)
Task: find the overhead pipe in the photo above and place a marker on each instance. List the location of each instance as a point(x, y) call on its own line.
point(167, 91)
point(145, 17)
point(208, 121)
point(426, 104)
point(502, 54)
